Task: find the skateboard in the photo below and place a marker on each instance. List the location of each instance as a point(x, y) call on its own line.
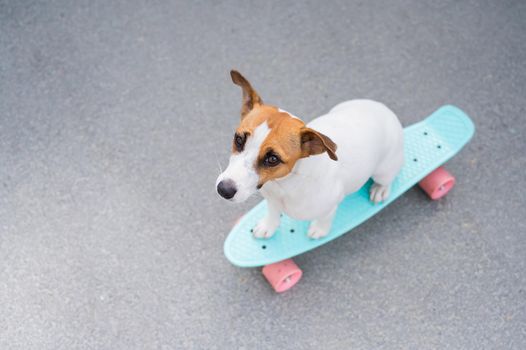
point(428, 144)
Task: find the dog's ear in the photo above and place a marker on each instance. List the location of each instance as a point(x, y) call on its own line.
point(250, 96)
point(313, 142)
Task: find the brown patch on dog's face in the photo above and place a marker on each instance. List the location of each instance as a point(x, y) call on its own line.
point(281, 149)
point(287, 141)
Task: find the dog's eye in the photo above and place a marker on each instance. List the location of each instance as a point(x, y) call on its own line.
point(271, 160)
point(239, 142)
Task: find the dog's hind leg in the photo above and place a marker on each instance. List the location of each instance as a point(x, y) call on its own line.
point(384, 176)
point(379, 193)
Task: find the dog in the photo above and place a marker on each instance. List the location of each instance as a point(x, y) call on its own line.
point(306, 170)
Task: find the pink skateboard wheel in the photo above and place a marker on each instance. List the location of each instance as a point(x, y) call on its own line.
point(438, 183)
point(282, 275)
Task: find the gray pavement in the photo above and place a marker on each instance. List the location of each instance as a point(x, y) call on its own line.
point(114, 116)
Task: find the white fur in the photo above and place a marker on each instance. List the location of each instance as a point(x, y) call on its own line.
point(241, 167)
point(369, 138)
point(369, 141)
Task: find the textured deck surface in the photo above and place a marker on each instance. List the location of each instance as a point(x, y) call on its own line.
point(115, 114)
point(427, 145)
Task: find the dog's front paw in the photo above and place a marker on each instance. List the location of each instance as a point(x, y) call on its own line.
point(319, 229)
point(265, 228)
point(379, 193)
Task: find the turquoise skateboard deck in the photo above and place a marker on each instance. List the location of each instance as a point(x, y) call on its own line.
point(427, 145)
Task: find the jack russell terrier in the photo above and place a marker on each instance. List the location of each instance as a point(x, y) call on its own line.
point(303, 170)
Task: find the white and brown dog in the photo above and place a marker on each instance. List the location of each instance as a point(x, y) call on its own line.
point(306, 170)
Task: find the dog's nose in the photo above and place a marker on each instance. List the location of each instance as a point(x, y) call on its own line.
point(226, 188)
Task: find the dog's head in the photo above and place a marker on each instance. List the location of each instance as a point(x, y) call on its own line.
point(267, 144)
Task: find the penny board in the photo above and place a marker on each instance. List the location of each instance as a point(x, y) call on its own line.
point(427, 145)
